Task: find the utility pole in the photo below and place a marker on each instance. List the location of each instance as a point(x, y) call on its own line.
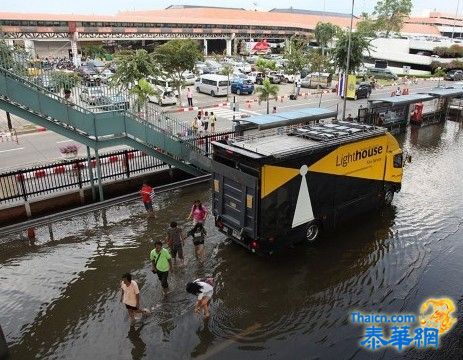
point(349, 49)
point(455, 20)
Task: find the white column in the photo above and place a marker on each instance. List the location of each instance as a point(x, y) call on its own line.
point(205, 47)
point(75, 54)
point(9, 42)
point(229, 47)
point(287, 45)
point(29, 47)
point(235, 46)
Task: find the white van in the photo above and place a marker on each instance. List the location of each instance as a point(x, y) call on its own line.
point(212, 84)
point(163, 83)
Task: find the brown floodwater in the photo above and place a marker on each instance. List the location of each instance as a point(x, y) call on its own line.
point(60, 299)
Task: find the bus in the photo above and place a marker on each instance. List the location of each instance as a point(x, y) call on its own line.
point(275, 188)
point(213, 84)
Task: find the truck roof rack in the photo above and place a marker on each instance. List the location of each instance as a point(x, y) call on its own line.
point(282, 142)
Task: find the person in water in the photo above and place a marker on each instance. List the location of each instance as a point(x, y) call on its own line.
point(198, 213)
point(203, 289)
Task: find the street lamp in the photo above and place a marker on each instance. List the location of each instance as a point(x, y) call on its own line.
point(455, 20)
point(349, 46)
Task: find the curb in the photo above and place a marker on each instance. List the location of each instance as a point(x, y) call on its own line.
point(30, 130)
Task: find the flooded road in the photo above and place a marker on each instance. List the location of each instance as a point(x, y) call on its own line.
point(60, 299)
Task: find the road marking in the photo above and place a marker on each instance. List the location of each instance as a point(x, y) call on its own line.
point(63, 141)
point(2, 151)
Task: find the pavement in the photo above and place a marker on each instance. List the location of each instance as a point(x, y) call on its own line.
point(34, 146)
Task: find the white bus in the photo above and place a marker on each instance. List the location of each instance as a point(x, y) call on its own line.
point(212, 84)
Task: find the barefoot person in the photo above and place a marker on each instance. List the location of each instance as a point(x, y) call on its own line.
point(198, 234)
point(203, 290)
point(162, 263)
point(198, 213)
point(130, 296)
point(175, 241)
point(147, 195)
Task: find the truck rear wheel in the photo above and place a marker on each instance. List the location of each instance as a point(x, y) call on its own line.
point(312, 232)
point(388, 197)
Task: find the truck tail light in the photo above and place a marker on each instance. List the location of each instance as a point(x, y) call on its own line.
point(254, 245)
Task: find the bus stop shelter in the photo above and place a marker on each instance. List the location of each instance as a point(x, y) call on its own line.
point(450, 100)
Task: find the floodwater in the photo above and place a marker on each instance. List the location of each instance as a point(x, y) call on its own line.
point(60, 299)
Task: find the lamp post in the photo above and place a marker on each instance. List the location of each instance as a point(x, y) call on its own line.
point(455, 20)
point(349, 46)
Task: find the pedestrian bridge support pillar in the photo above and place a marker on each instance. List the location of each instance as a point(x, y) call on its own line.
point(205, 47)
point(229, 47)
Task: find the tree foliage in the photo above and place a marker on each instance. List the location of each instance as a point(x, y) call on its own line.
point(359, 45)
point(390, 14)
point(142, 91)
point(131, 68)
point(177, 56)
point(367, 26)
point(324, 33)
point(266, 91)
point(93, 51)
point(264, 65)
point(296, 56)
point(64, 80)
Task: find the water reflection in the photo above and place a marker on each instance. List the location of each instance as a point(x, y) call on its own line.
point(56, 295)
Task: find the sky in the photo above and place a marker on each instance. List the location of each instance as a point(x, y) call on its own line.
point(111, 7)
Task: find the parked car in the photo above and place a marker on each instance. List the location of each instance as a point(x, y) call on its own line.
point(454, 75)
point(105, 76)
point(317, 80)
point(91, 95)
point(362, 91)
point(380, 73)
point(113, 102)
point(242, 86)
point(274, 77)
point(189, 79)
point(86, 72)
point(213, 84)
point(163, 97)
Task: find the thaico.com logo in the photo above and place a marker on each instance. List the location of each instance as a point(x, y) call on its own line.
point(401, 331)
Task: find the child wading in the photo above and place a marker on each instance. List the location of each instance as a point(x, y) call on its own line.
point(162, 263)
point(130, 296)
point(203, 289)
point(198, 233)
point(175, 241)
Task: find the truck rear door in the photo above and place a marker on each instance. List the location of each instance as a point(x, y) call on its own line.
point(235, 201)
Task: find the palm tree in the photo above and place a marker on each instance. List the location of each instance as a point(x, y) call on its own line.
point(266, 91)
point(142, 91)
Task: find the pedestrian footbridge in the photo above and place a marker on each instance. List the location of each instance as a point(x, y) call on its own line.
point(158, 136)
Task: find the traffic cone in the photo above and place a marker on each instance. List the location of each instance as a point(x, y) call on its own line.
point(249, 104)
point(281, 98)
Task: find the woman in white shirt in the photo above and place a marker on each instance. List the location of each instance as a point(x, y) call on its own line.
point(203, 289)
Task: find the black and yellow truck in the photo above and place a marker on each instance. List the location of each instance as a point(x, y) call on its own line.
point(286, 185)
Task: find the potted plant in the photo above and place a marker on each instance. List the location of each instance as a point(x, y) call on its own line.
point(69, 151)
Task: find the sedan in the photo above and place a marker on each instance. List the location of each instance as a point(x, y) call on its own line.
point(91, 95)
point(454, 75)
point(362, 91)
point(113, 102)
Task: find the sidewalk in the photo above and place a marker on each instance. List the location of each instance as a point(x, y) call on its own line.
point(20, 125)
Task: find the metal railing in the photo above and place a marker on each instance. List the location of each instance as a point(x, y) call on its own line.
point(77, 173)
point(73, 174)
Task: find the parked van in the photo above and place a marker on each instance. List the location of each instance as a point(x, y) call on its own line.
point(163, 97)
point(380, 73)
point(163, 83)
point(277, 188)
point(212, 84)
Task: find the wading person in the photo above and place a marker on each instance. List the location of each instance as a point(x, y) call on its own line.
point(198, 213)
point(147, 195)
point(130, 296)
point(198, 233)
point(162, 262)
point(175, 241)
point(203, 289)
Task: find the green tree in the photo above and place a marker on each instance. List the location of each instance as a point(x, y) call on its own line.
point(367, 26)
point(133, 67)
point(359, 45)
point(93, 51)
point(296, 56)
point(142, 91)
point(324, 33)
point(64, 80)
point(227, 70)
point(390, 14)
point(266, 91)
point(264, 66)
point(176, 57)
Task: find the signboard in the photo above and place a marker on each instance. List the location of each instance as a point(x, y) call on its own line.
point(351, 82)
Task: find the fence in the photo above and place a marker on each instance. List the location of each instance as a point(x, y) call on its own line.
point(76, 173)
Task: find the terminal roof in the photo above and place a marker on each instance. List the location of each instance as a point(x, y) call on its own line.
point(291, 117)
point(445, 92)
point(404, 99)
